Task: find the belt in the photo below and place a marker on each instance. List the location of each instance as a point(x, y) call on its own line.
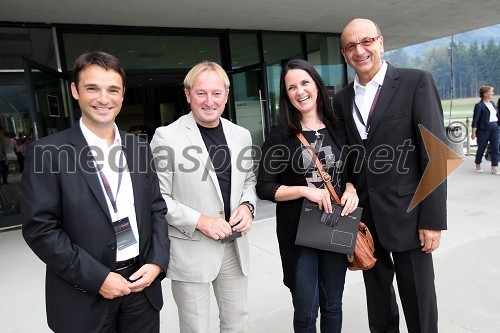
point(126, 263)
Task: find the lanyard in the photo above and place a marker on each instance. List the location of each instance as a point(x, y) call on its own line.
point(370, 114)
point(106, 185)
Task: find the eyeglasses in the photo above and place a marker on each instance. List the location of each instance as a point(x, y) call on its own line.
point(365, 42)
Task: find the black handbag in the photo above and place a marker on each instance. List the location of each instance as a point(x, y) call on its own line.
point(361, 252)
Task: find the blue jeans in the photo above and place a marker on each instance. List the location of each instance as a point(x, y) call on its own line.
point(319, 284)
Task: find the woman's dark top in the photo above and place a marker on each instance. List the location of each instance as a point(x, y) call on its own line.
point(284, 162)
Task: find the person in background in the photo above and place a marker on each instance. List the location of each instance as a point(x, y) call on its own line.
point(19, 145)
point(382, 112)
point(287, 175)
point(485, 126)
point(4, 166)
point(92, 211)
point(205, 168)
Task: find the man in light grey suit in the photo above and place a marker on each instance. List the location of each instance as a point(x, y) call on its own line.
point(206, 176)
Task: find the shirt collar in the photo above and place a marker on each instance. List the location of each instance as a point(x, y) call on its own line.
point(94, 140)
point(378, 79)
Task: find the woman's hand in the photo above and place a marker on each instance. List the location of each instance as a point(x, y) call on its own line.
point(349, 199)
point(318, 195)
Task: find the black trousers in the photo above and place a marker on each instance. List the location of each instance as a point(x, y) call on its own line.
point(4, 171)
point(414, 272)
point(131, 313)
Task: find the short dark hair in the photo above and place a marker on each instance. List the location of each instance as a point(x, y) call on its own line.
point(289, 116)
point(99, 58)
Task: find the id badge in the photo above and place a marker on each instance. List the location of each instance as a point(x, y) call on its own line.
point(124, 235)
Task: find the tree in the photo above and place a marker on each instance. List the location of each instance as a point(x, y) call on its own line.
point(473, 66)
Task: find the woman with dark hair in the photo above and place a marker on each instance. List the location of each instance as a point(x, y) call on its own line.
point(485, 126)
point(287, 175)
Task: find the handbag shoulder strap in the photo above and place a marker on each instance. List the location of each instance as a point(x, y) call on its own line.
point(327, 179)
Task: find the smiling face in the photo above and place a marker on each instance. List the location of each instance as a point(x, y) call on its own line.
point(365, 60)
point(301, 91)
point(489, 94)
point(207, 98)
point(100, 96)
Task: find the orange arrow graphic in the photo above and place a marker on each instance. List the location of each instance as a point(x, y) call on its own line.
point(442, 162)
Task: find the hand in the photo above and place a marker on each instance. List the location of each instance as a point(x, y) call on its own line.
point(114, 286)
point(349, 200)
point(241, 219)
point(320, 196)
point(213, 227)
point(144, 277)
point(429, 239)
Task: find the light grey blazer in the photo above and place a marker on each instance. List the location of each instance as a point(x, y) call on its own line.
point(190, 187)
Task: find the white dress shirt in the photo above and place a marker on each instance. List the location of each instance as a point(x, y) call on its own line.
point(125, 198)
point(493, 112)
point(363, 97)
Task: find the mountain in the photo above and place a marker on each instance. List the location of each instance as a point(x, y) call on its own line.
point(482, 35)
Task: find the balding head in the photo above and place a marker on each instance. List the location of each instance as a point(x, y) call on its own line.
point(362, 47)
point(360, 23)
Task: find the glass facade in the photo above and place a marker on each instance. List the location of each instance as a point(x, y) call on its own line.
point(35, 99)
point(145, 52)
point(323, 52)
point(16, 124)
point(244, 49)
point(278, 48)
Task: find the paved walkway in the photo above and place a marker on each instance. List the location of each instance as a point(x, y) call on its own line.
point(466, 264)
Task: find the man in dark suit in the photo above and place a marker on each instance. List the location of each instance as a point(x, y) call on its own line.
point(93, 212)
point(381, 112)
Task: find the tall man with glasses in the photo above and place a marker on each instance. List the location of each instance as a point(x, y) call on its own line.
point(381, 112)
point(92, 211)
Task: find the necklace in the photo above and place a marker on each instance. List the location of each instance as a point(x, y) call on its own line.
point(315, 131)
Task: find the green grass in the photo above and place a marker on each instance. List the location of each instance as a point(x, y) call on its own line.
point(460, 108)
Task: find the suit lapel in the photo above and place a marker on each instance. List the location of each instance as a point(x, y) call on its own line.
point(391, 83)
point(132, 154)
point(194, 137)
point(348, 115)
point(85, 163)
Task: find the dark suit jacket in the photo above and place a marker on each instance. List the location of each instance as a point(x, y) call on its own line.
point(481, 117)
point(386, 176)
point(67, 224)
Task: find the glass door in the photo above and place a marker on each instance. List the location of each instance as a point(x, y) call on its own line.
point(250, 100)
point(49, 99)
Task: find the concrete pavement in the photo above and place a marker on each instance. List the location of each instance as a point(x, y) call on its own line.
point(466, 265)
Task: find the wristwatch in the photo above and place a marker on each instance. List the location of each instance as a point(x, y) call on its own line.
point(251, 208)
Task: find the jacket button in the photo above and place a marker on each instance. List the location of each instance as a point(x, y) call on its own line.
point(371, 190)
point(112, 247)
point(221, 212)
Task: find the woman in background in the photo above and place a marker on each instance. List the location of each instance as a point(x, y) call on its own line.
point(485, 126)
